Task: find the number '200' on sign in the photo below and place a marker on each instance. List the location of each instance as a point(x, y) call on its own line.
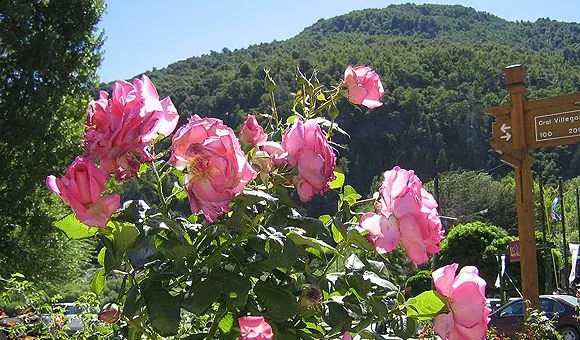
point(557, 125)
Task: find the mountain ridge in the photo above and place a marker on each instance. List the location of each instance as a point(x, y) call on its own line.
point(442, 67)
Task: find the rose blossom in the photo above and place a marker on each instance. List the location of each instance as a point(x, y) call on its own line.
point(120, 129)
point(252, 133)
point(216, 167)
point(406, 213)
point(255, 328)
point(468, 314)
point(81, 188)
point(364, 86)
point(309, 151)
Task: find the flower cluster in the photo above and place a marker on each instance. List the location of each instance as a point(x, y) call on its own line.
point(119, 132)
point(407, 213)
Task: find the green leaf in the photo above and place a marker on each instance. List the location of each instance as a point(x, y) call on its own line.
point(379, 308)
point(134, 334)
point(333, 112)
point(142, 169)
point(284, 255)
point(426, 305)
point(178, 191)
point(338, 181)
point(163, 308)
point(111, 261)
point(258, 195)
point(202, 296)
point(403, 326)
point(226, 323)
point(171, 247)
point(313, 226)
point(291, 119)
point(336, 316)
point(131, 305)
point(377, 280)
point(336, 234)
point(98, 281)
point(364, 323)
point(309, 242)
point(74, 228)
point(354, 237)
point(353, 263)
point(233, 285)
point(350, 194)
point(123, 237)
point(101, 256)
point(278, 303)
point(359, 286)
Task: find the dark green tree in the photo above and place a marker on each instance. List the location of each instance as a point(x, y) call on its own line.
point(49, 53)
point(472, 244)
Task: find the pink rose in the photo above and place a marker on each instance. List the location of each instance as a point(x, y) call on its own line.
point(406, 213)
point(252, 133)
point(81, 189)
point(309, 151)
point(346, 336)
point(255, 328)
point(110, 313)
point(119, 130)
point(216, 168)
point(468, 314)
point(364, 86)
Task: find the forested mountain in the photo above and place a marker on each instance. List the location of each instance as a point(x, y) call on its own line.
point(440, 66)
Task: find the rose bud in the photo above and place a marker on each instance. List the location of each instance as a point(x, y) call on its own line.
point(110, 313)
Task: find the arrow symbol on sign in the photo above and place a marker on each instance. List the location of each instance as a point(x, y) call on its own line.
point(504, 128)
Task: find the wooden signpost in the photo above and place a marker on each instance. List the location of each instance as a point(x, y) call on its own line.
point(518, 127)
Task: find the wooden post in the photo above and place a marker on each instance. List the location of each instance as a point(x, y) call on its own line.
point(564, 240)
point(515, 78)
point(518, 127)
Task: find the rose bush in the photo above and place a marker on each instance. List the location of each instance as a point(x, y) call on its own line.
point(246, 250)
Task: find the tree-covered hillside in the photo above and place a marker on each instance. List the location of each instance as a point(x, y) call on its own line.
point(440, 66)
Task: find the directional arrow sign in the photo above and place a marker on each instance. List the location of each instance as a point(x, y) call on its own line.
point(504, 128)
point(548, 122)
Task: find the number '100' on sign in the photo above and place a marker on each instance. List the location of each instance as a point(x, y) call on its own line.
point(557, 125)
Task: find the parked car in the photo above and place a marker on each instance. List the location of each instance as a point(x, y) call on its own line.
point(71, 313)
point(508, 319)
point(493, 303)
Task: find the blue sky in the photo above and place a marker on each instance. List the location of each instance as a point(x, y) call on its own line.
point(142, 34)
